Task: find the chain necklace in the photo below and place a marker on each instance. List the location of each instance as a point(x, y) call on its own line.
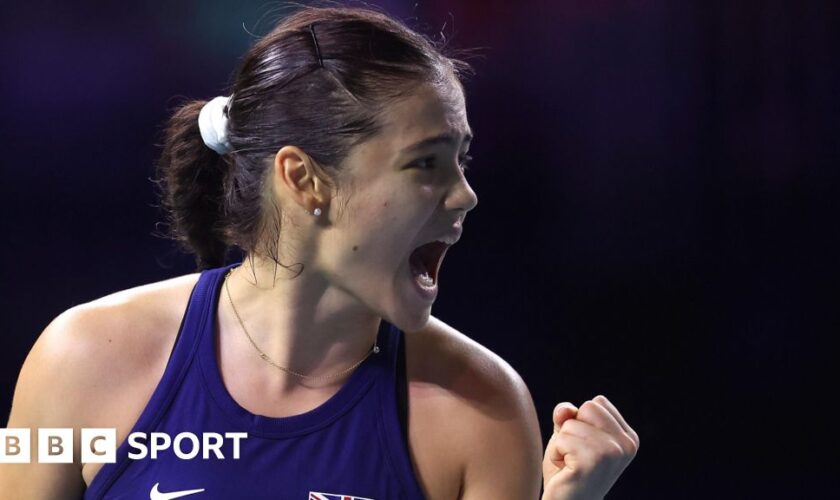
point(264, 356)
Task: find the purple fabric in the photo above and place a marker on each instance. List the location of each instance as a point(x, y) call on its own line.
point(351, 445)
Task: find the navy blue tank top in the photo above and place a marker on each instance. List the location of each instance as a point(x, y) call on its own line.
point(353, 446)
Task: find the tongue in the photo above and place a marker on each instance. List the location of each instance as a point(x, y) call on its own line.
point(426, 258)
point(418, 267)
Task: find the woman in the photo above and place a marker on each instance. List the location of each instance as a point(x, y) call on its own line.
point(337, 166)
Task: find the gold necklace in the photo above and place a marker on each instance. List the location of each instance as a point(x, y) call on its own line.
point(264, 356)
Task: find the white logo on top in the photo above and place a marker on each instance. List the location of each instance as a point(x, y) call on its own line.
point(156, 494)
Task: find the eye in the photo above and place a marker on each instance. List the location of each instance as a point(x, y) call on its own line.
point(427, 163)
point(465, 162)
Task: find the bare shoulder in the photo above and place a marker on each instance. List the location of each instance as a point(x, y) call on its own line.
point(94, 365)
point(479, 410)
point(465, 370)
point(92, 352)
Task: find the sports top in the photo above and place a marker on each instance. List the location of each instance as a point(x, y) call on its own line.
point(353, 446)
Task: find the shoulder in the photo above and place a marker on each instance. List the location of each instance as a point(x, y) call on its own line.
point(92, 366)
point(489, 414)
point(462, 367)
point(92, 352)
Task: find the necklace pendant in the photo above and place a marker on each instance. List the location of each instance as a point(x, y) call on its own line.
point(376, 349)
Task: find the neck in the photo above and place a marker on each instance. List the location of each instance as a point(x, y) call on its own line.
point(301, 323)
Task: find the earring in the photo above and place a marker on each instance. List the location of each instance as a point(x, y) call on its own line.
point(316, 212)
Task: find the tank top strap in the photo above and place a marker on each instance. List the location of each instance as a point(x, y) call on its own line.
point(393, 397)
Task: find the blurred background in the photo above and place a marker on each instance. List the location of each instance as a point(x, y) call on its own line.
point(657, 221)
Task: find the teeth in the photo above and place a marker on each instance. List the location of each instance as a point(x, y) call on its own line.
point(426, 280)
point(450, 240)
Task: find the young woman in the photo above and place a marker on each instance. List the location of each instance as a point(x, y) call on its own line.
point(336, 165)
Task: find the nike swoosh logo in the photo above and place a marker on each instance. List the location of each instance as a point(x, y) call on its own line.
point(159, 495)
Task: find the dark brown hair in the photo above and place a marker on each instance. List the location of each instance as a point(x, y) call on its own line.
point(282, 95)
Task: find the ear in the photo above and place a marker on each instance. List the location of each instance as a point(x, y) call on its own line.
point(296, 177)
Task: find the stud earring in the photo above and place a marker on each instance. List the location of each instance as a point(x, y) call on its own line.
point(316, 212)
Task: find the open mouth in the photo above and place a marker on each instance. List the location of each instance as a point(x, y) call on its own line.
point(425, 262)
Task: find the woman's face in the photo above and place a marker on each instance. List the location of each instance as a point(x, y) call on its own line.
point(404, 194)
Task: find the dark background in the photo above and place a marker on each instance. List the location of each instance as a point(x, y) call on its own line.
point(657, 219)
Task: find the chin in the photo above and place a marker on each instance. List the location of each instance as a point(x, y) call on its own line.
point(412, 321)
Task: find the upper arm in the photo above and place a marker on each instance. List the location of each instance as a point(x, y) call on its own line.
point(504, 444)
point(47, 396)
point(496, 433)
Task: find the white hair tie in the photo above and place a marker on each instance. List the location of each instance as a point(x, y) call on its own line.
point(213, 125)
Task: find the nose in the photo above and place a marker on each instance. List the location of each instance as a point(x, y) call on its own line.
point(461, 196)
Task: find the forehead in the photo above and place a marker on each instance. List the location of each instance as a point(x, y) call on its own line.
point(428, 111)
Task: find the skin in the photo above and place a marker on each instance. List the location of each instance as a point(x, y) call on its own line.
point(588, 451)
point(356, 253)
point(97, 364)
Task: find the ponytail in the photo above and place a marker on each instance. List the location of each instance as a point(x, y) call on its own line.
point(191, 177)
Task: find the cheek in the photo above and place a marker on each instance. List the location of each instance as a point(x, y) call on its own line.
point(380, 224)
point(372, 228)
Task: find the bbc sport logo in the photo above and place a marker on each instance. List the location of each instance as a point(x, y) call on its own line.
point(99, 445)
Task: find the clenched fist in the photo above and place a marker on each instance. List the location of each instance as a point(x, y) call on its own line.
point(590, 448)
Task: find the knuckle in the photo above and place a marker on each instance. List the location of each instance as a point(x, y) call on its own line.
point(634, 442)
point(563, 432)
point(614, 451)
point(629, 444)
point(566, 425)
point(586, 408)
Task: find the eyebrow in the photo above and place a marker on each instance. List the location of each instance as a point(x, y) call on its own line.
point(444, 138)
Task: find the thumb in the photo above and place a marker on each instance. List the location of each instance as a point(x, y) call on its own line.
point(562, 412)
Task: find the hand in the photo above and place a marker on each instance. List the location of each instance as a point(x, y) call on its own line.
point(588, 451)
